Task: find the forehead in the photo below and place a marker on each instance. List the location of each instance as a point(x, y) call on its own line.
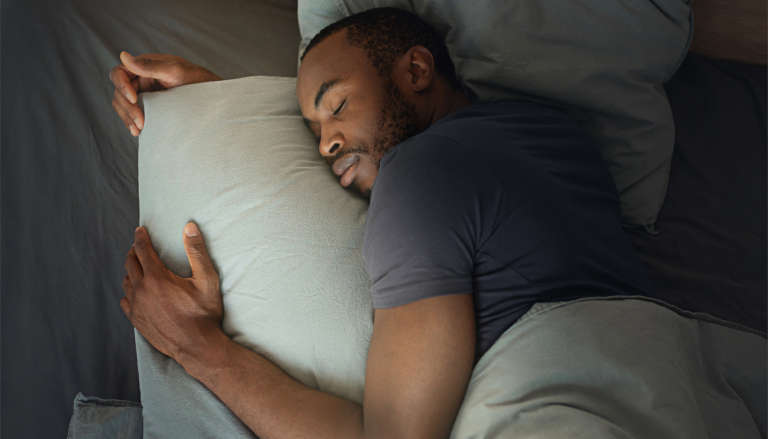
point(332, 59)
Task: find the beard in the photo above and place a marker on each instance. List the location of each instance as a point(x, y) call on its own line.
point(397, 122)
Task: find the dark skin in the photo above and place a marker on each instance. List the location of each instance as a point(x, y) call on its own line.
point(421, 354)
point(360, 93)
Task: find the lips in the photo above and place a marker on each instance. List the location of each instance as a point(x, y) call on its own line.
point(344, 163)
point(349, 175)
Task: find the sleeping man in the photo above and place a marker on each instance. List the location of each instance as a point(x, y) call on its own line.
point(477, 211)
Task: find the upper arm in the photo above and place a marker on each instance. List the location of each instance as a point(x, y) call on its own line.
point(419, 362)
point(425, 223)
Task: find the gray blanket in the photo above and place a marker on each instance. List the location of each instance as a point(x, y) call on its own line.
point(608, 368)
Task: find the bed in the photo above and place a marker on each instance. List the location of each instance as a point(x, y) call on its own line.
point(70, 198)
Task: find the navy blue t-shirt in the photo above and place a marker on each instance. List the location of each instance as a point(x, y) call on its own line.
point(509, 201)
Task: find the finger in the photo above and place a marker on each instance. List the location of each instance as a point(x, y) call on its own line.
point(128, 287)
point(122, 80)
point(151, 65)
point(132, 111)
point(148, 258)
point(135, 83)
point(126, 307)
point(197, 253)
point(133, 268)
point(121, 113)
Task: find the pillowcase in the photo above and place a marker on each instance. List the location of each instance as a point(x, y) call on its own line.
point(236, 157)
point(605, 60)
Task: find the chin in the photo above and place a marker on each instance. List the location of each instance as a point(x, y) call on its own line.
point(361, 190)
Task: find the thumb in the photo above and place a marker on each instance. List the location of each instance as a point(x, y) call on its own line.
point(197, 253)
point(145, 66)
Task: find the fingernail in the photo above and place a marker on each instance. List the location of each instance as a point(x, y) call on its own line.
point(191, 229)
point(139, 123)
point(138, 230)
point(134, 132)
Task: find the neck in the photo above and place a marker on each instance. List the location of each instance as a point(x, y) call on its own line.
point(447, 102)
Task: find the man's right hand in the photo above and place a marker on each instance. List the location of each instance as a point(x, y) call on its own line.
point(149, 72)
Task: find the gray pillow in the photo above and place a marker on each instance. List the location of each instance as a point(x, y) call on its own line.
point(236, 157)
point(607, 59)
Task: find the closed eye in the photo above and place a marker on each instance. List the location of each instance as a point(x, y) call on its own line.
point(339, 108)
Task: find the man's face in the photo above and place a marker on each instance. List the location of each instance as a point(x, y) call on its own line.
point(355, 113)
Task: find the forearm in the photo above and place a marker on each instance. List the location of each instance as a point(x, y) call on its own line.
point(266, 399)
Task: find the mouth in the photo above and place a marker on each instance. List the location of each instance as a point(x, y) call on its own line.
point(349, 175)
point(345, 168)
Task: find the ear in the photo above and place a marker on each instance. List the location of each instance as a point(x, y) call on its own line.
point(417, 68)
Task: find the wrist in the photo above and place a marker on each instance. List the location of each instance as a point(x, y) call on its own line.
point(208, 356)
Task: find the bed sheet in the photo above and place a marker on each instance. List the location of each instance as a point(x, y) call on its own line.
point(69, 182)
point(710, 253)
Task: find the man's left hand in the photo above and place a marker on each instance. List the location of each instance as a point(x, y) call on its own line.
point(175, 314)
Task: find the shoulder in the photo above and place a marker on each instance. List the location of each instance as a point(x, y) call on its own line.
point(428, 172)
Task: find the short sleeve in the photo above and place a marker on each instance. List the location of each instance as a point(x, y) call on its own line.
point(422, 227)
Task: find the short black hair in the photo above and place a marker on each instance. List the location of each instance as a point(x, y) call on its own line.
point(387, 33)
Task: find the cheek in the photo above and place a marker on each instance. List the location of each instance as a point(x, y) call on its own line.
point(364, 119)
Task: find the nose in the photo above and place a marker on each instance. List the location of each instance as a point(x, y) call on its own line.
point(331, 145)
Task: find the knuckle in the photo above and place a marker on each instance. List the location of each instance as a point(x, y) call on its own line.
point(126, 88)
point(149, 282)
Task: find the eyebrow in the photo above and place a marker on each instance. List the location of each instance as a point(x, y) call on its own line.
point(324, 87)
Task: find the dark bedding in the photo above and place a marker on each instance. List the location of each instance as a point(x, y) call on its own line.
point(69, 196)
point(710, 253)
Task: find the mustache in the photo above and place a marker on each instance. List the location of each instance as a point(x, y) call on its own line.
point(358, 149)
